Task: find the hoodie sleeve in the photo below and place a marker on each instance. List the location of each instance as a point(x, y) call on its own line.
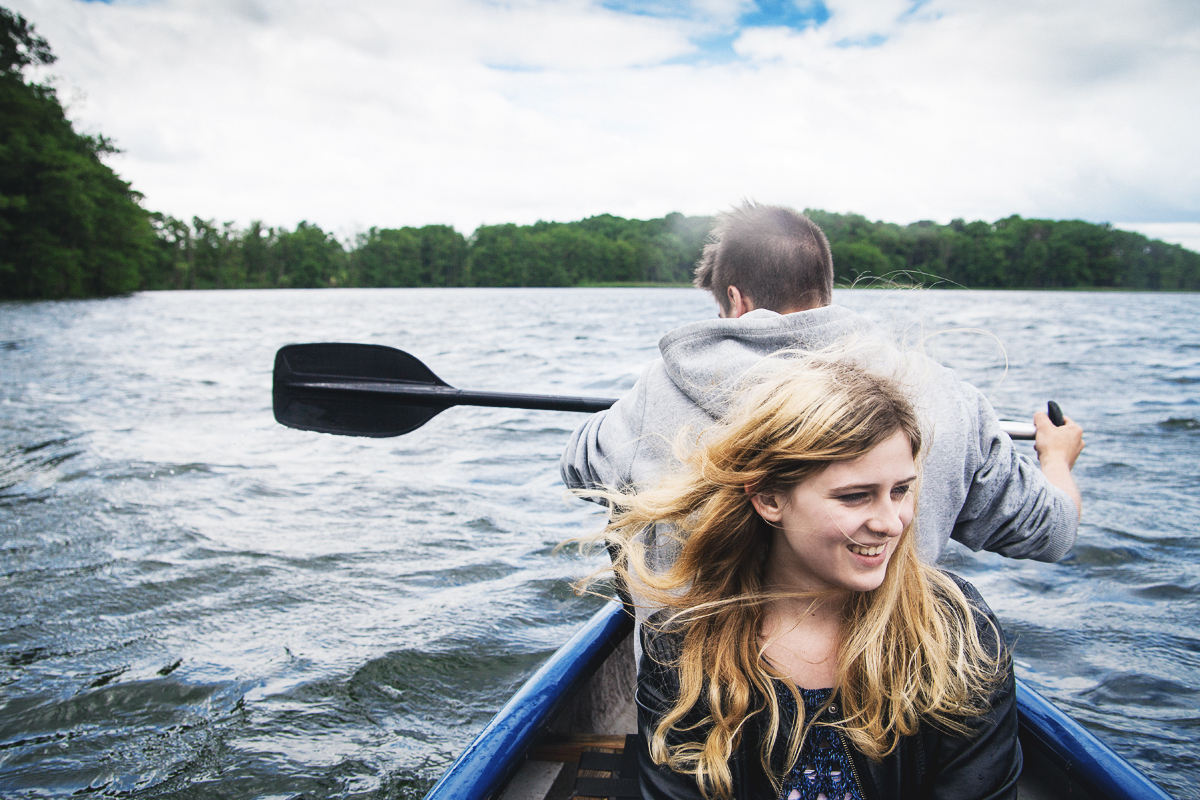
point(1010, 507)
point(601, 452)
point(632, 444)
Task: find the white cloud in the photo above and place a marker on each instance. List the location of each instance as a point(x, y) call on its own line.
point(859, 20)
point(367, 112)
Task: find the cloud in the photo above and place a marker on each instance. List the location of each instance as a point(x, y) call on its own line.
point(368, 112)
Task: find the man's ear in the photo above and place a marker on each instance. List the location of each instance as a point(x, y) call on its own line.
point(768, 505)
point(739, 303)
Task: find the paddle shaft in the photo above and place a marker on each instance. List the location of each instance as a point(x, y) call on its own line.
point(447, 396)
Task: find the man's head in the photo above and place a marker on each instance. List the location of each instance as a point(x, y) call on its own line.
point(766, 257)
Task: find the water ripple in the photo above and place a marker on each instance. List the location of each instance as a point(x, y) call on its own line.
point(196, 602)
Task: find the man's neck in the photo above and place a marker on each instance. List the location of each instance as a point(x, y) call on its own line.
point(741, 304)
point(797, 309)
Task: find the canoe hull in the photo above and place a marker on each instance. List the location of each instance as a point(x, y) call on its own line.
point(526, 751)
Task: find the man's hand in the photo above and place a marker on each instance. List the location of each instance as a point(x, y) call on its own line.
point(1057, 448)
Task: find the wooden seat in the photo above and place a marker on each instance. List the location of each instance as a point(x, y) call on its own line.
point(611, 775)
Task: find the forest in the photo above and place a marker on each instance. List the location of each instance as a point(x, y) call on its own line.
point(1011, 253)
point(71, 227)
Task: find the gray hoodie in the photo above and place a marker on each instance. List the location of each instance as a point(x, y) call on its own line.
point(975, 488)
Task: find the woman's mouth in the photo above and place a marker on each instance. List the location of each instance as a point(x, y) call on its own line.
point(867, 551)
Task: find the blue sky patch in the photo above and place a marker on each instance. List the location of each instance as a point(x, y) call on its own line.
point(716, 46)
point(785, 14)
point(716, 49)
point(650, 8)
point(874, 40)
point(796, 14)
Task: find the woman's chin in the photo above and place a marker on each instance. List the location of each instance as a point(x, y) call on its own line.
point(869, 571)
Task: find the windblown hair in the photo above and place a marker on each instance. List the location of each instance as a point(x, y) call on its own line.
point(909, 649)
point(774, 255)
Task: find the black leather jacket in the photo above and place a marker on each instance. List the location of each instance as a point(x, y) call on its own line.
point(932, 764)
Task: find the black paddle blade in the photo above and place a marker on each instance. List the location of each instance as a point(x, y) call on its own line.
point(314, 389)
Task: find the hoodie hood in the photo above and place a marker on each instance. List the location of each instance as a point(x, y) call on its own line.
point(706, 360)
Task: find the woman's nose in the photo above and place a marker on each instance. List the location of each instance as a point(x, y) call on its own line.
point(888, 519)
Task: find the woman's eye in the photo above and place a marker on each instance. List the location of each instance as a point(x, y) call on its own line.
point(900, 491)
point(853, 497)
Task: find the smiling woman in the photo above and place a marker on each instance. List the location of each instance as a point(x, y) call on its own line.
point(803, 649)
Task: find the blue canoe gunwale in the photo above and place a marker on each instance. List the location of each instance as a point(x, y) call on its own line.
point(1074, 761)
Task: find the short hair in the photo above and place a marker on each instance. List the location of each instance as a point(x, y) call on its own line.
point(777, 257)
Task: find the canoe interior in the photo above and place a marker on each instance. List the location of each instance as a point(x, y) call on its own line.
point(595, 718)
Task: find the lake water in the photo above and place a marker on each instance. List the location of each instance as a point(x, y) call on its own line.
point(198, 602)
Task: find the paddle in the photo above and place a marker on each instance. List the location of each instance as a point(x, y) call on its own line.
point(372, 390)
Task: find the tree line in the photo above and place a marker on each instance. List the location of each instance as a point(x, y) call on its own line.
point(71, 227)
point(203, 254)
point(1010, 253)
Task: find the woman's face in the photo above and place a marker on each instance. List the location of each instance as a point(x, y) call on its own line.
point(838, 529)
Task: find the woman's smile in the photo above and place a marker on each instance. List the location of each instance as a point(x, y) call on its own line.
point(867, 551)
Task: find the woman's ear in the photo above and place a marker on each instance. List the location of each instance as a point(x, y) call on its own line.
point(768, 505)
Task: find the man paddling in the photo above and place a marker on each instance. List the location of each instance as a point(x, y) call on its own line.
point(770, 270)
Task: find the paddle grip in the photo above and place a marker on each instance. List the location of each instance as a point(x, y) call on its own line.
point(1055, 414)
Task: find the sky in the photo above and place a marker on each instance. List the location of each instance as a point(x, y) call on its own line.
point(361, 113)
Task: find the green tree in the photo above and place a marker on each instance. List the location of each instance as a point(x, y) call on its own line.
point(495, 257)
point(310, 258)
point(387, 258)
point(69, 226)
point(172, 254)
point(217, 256)
point(975, 259)
point(858, 261)
point(258, 256)
point(443, 256)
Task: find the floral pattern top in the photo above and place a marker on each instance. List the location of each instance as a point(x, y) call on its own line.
point(823, 771)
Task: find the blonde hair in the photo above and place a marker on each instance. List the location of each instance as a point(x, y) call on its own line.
point(909, 649)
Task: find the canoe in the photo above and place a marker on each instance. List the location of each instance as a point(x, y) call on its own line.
point(562, 735)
